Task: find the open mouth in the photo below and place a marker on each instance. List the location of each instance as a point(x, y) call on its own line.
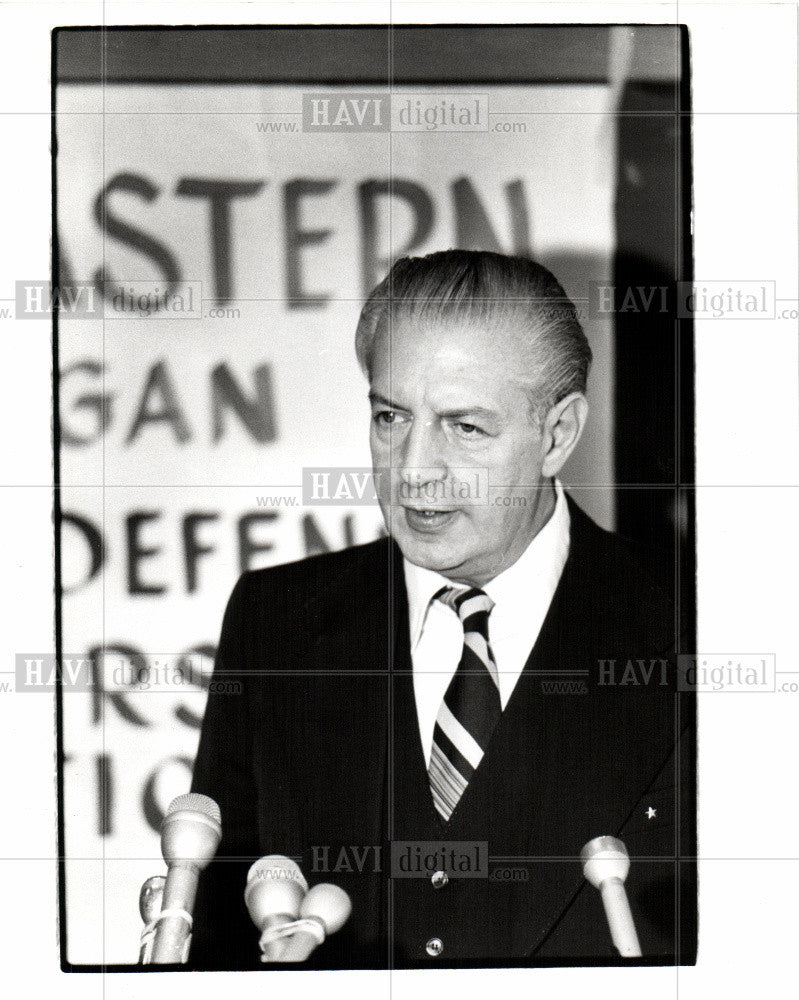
point(428, 518)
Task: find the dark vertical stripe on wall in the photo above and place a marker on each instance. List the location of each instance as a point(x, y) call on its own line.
point(654, 357)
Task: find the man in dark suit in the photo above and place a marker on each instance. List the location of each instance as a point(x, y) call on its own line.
point(440, 720)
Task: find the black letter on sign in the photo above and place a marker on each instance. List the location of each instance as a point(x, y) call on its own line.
point(258, 415)
point(138, 668)
point(473, 230)
point(105, 794)
point(374, 265)
point(247, 547)
point(312, 536)
point(96, 547)
point(130, 236)
point(193, 548)
point(98, 404)
point(137, 552)
point(297, 238)
point(159, 383)
point(185, 667)
point(219, 195)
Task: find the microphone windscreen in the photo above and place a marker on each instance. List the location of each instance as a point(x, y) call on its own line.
point(276, 867)
point(604, 858)
point(275, 886)
point(328, 903)
point(191, 830)
point(195, 802)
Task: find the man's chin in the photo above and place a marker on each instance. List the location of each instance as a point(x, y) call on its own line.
point(429, 552)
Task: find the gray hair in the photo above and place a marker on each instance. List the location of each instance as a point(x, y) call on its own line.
point(479, 287)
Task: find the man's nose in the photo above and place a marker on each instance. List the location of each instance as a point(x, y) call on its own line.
point(422, 457)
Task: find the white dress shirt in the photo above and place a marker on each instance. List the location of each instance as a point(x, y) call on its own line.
point(521, 594)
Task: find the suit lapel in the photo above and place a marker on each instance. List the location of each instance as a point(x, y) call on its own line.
point(603, 748)
point(565, 767)
point(561, 769)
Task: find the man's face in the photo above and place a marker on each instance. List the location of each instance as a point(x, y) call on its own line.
point(448, 399)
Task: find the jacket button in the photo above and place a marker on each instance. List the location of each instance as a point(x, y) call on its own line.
point(439, 879)
point(434, 947)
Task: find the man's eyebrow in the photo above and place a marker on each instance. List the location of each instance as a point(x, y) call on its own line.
point(454, 414)
point(375, 397)
point(470, 411)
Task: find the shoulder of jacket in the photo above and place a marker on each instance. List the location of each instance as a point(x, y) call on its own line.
point(295, 583)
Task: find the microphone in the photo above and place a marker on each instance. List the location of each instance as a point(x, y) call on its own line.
point(324, 911)
point(190, 835)
point(605, 865)
point(150, 900)
point(275, 889)
point(292, 920)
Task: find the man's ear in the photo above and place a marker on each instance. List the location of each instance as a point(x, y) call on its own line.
point(563, 426)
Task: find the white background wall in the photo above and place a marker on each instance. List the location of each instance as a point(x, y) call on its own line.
point(163, 135)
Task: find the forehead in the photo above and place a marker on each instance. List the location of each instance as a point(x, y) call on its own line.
point(454, 347)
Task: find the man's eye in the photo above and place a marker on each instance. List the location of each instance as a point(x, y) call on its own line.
point(385, 417)
point(469, 430)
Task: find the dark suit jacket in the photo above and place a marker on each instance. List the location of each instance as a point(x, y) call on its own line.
point(319, 758)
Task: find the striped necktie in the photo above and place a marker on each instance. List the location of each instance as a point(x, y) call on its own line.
point(471, 707)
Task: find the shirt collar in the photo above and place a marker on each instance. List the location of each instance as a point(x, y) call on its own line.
point(542, 561)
